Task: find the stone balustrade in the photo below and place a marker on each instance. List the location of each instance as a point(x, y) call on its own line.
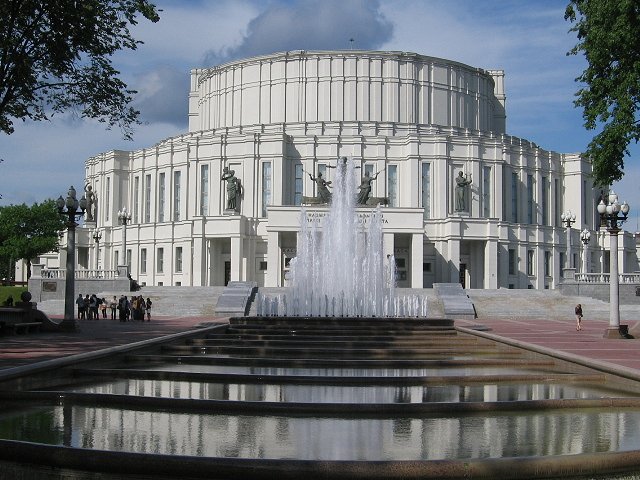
point(627, 278)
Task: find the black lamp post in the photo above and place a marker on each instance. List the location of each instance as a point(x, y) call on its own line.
point(568, 218)
point(614, 223)
point(73, 209)
point(125, 217)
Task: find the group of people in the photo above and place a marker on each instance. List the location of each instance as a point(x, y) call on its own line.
point(91, 306)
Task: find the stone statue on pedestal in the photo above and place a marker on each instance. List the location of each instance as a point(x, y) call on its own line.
point(462, 182)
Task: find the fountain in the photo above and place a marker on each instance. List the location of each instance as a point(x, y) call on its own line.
point(340, 269)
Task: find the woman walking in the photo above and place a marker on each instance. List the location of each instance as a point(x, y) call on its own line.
point(578, 317)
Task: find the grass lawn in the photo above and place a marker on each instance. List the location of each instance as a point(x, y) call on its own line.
point(6, 292)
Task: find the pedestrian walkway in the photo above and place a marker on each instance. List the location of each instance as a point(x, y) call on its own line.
point(92, 335)
point(555, 335)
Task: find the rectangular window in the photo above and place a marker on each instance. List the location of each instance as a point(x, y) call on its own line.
point(368, 168)
point(160, 260)
point(530, 262)
point(147, 199)
point(426, 189)
point(204, 190)
point(547, 264)
point(136, 199)
point(486, 192)
point(322, 168)
point(161, 189)
point(297, 193)
point(176, 196)
point(262, 266)
point(107, 198)
point(512, 261)
point(178, 260)
point(266, 187)
point(545, 201)
point(530, 205)
point(514, 197)
point(116, 258)
point(143, 260)
point(128, 261)
point(392, 185)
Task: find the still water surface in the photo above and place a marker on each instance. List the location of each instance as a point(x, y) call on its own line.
point(243, 436)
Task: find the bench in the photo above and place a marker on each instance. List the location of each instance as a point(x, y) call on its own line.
point(26, 327)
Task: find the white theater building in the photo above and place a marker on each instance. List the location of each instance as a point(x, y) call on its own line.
point(417, 120)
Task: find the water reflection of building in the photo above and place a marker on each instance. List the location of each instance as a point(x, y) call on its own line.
point(420, 121)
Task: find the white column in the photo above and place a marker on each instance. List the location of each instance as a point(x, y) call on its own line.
point(272, 278)
point(416, 260)
point(614, 284)
point(236, 258)
point(454, 261)
point(491, 264)
point(389, 244)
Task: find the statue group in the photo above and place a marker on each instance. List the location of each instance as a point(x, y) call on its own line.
point(363, 196)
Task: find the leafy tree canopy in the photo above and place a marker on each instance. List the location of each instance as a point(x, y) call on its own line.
point(55, 55)
point(609, 37)
point(29, 231)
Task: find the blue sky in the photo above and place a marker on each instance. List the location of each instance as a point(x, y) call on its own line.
point(528, 40)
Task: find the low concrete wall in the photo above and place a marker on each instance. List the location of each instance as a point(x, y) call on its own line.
point(50, 285)
point(629, 293)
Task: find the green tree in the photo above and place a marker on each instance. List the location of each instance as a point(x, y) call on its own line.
point(609, 37)
point(29, 231)
point(55, 55)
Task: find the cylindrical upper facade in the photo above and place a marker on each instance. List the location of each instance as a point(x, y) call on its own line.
point(346, 86)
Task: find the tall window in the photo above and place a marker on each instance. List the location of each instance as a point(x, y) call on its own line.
point(160, 260)
point(178, 260)
point(297, 194)
point(426, 189)
point(530, 215)
point(558, 203)
point(106, 199)
point(147, 198)
point(176, 196)
point(392, 185)
point(266, 187)
point(486, 192)
point(512, 261)
point(547, 263)
point(530, 262)
point(161, 189)
point(143, 260)
point(128, 259)
point(204, 190)
point(545, 202)
point(322, 168)
point(116, 258)
point(514, 197)
point(136, 198)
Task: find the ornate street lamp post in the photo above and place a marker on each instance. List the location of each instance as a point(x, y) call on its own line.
point(568, 219)
point(613, 221)
point(585, 236)
point(125, 217)
point(70, 207)
point(97, 235)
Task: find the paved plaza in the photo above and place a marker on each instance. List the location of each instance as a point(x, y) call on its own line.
point(553, 334)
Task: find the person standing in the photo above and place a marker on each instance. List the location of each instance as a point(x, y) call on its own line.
point(81, 307)
point(113, 305)
point(148, 308)
point(578, 311)
point(103, 308)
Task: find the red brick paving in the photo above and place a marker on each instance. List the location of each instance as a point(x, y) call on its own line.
point(561, 335)
point(92, 335)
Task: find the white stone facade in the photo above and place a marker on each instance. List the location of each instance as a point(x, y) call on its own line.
point(418, 120)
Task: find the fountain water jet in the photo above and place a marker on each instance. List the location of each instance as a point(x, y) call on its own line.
point(340, 269)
